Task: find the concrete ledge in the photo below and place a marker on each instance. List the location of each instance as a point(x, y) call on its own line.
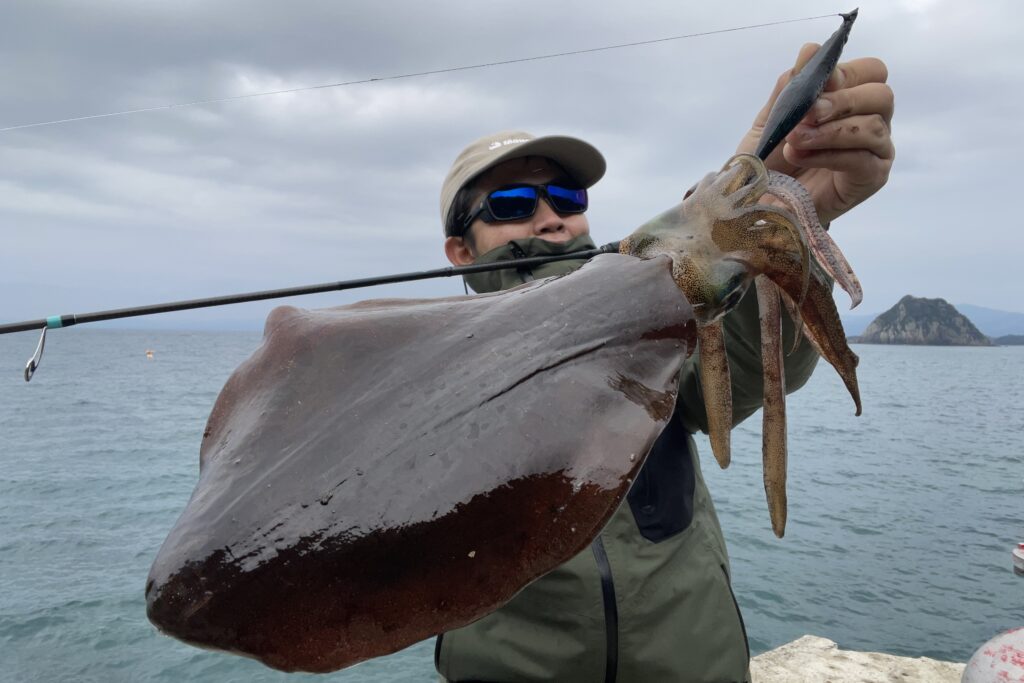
point(811, 659)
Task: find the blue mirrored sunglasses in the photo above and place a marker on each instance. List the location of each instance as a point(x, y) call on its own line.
point(517, 202)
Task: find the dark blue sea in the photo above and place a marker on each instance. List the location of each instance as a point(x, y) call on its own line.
point(900, 528)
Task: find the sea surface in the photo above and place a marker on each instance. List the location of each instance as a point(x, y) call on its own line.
point(901, 522)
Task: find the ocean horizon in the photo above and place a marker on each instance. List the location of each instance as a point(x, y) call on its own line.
point(992, 322)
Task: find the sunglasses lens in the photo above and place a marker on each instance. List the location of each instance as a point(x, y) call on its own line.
point(513, 203)
point(567, 200)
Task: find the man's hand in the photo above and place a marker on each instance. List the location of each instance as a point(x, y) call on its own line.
point(842, 150)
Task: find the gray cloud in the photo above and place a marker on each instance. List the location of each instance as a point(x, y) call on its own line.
point(337, 183)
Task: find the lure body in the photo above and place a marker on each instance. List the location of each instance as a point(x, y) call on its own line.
point(799, 95)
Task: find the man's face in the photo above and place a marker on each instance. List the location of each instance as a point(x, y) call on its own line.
point(545, 223)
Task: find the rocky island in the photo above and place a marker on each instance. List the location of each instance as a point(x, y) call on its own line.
point(920, 321)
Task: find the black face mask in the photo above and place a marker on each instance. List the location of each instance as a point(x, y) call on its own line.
point(497, 280)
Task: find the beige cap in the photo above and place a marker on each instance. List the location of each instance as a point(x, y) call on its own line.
point(580, 159)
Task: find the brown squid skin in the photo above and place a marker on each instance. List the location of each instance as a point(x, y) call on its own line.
point(715, 384)
point(720, 238)
point(378, 473)
point(773, 430)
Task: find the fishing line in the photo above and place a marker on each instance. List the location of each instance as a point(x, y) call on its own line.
point(417, 74)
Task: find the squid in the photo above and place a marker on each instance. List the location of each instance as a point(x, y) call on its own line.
point(724, 237)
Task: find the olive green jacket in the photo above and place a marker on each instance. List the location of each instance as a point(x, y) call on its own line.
point(675, 615)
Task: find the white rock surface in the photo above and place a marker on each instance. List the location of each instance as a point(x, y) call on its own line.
point(818, 660)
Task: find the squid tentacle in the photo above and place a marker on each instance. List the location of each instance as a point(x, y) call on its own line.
point(743, 172)
point(826, 329)
point(716, 386)
point(773, 430)
point(795, 196)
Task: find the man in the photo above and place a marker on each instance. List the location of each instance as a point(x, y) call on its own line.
point(651, 599)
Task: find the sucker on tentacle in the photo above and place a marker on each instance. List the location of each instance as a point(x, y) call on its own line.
point(720, 239)
point(796, 198)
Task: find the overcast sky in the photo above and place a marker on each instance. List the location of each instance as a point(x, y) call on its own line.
point(341, 183)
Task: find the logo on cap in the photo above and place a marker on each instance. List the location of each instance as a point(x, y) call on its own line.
point(501, 143)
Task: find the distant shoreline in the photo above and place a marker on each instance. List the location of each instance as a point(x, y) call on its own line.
point(998, 342)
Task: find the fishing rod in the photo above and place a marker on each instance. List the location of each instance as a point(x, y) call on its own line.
point(61, 321)
point(789, 108)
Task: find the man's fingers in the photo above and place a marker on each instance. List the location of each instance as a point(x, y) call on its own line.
point(865, 131)
point(868, 98)
point(857, 169)
point(857, 72)
point(807, 51)
point(846, 76)
point(857, 165)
